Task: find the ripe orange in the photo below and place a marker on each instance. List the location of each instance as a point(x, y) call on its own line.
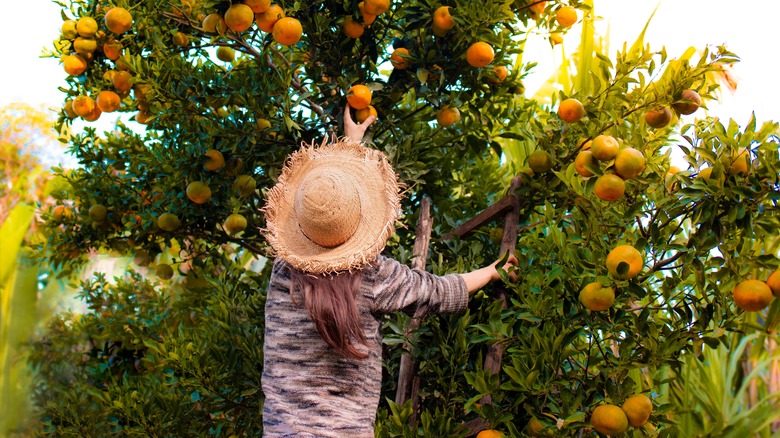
point(258, 5)
point(112, 49)
point(400, 59)
point(363, 114)
point(604, 147)
point(141, 90)
point(536, 428)
point(86, 27)
point(658, 117)
point(571, 110)
point(214, 23)
point(214, 160)
point(540, 161)
point(164, 271)
point(61, 212)
point(556, 38)
point(181, 39)
point(198, 192)
point(536, 9)
point(121, 81)
point(752, 295)
point(629, 163)
point(74, 65)
point(442, 19)
point(98, 212)
point(359, 96)
point(83, 105)
point(267, 19)
point(669, 182)
point(479, 54)
point(447, 115)
point(688, 103)
point(235, 223)
point(168, 222)
point(68, 30)
point(500, 72)
point(609, 187)
point(596, 297)
point(244, 185)
point(143, 116)
point(239, 17)
point(108, 101)
point(624, 262)
point(638, 409)
point(93, 115)
point(774, 283)
point(263, 124)
point(352, 28)
point(226, 54)
point(566, 16)
point(83, 46)
point(583, 160)
point(490, 433)
point(585, 144)
point(118, 20)
point(367, 18)
point(739, 163)
point(287, 31)
point(706, 174)
point(609, 420)
point(376, 7)
point(68, 108)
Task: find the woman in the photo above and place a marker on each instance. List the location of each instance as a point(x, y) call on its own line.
point(328, 218)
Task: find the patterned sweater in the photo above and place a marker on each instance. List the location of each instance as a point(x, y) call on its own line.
point(310, 389)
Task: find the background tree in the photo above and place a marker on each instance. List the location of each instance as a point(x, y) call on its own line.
point(225, 90)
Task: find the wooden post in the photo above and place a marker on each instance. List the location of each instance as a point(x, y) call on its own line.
point(408, 382)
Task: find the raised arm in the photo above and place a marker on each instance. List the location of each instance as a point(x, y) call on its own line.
point(353, 130)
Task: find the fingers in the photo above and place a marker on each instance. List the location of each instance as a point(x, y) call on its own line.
point(347, 115)
point(366, 123)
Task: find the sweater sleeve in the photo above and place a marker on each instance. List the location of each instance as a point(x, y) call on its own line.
point(398, 287)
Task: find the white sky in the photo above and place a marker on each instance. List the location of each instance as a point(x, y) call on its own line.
point(747, 28)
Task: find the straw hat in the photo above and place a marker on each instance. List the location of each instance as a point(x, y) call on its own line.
point(333, 207)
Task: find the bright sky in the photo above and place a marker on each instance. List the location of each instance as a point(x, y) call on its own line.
point(747, 29)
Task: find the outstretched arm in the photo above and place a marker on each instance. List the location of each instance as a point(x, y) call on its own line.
point(477, 279)
point(353, 130)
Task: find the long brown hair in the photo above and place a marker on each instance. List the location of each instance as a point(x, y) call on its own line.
point(331, 302)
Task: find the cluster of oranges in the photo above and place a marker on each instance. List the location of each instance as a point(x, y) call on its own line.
point(623, 262)
point(240, 17)
point(369, 10)
point(613, 420)
point(756, 295)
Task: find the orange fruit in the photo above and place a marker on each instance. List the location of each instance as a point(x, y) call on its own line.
point(490, 433)
point(376, 7)
point(540, 161)
point(479, 54)
point(365, 16)
point(226, 54)
point(235, 223)
point(121, 81)
point(244, 185)
point(583, 160)
point(263, 124)
point(500, 72)
point(112, 49)
point(447, 115)
point(164, 271)
point(609, 187)
point(638, 409)
point(74, 65)
point(68, 30)
point(362, 114)
point(774, 283)
point(239, 17)
point(198, 192)
point(234, 166)
point(556, 38)
point(624, 262)
point(214, 23)
point(168, 222)
point(143, 117)
point(566, 16)
point(352, 28)
point(68, 108)
point(118, 20)
point(98, 212)
point(142, 257)
point(752, 295)
point(442, 19)
point(604, 147)
point(706, 174)
point(536, 9)
point(596, 297)
point(571, 110)
point(629, 163)
point(739, 163)
point(536, 428)
point(609, 420)
point(86, 27)
point(83, 105)
point(141, 90)
point(585, 144)
point(400, 59)
point(359, 96)
point(669, 182)
point(214, 160)
point(258, 6)
point(108, 101)
point(181, 39)
point(61, 212)
point(93, 115)
point(84, 45)
point(658, 117)
point(266, 20)
point(688, 103)
point(287, 31)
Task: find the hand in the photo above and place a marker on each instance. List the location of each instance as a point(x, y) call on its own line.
point(351, 129)
point(511, 262)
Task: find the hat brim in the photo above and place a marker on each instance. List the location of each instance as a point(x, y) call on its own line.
point(379, 196)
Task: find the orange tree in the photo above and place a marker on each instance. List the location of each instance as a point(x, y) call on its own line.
point(222, 95)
